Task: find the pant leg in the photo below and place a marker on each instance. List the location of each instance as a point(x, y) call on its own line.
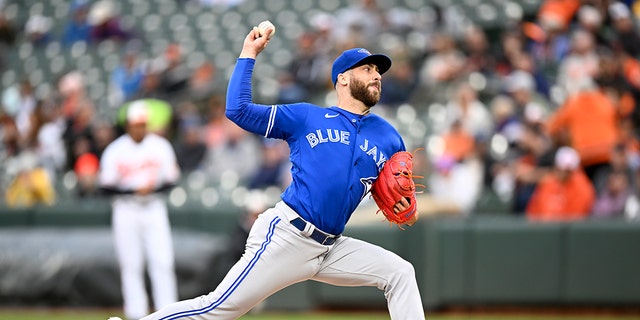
point(353, 262)
point(127, 237)
point(160, 257)
point(276, 256)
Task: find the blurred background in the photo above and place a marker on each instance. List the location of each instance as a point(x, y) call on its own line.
point(522, 114)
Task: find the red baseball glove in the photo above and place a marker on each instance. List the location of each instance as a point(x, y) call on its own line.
point(394, 182)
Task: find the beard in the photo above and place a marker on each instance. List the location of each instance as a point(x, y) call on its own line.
point(360, 91)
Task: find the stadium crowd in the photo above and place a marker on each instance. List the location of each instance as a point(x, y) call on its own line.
point(542, 112)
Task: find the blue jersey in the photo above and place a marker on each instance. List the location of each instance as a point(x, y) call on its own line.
point(335, 154)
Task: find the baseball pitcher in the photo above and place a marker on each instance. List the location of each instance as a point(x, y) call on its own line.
point(337, 153)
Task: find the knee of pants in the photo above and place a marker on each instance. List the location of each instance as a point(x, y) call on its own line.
point(404, 269)
point(401, 276)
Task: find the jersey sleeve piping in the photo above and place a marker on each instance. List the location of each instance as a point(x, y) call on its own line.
point(272, 120)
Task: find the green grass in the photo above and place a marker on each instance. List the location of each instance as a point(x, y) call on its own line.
point(70, 314)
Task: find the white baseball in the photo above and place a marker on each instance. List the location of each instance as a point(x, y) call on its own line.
point(264, 26)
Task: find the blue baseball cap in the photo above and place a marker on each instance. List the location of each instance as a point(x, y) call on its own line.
point(356, 57)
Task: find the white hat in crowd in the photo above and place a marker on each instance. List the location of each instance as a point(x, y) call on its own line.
point(567, 158)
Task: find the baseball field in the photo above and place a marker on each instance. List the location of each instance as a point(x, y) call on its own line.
point(67, 314)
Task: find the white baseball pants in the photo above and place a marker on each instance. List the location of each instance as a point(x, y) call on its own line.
point(142, 233)
point(278, 255)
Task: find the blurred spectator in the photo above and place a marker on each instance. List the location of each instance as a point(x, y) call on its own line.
point(106, 24)
point(631, 73)
point(477, 49)
point(10, 136)
point(524, 62)
point(499, 176)
point(8, 32)
point(190, 149)
point(31, 184)
point(189, 145)
point(73, 95)
point(19, 102)
point(451, 19)
point(215, 131)
point(173, 74)
point(547, 48)
point(587, 122)
point(505, 120)
point(308, 68)
point(624, 158)
point(323, 26)
point(229, 148)
point(508, 127)
point(512, 56)
point(46, 137)
point(78, 111)
point(591, 20)
point(439, 70)
point(565, 193)
point(626, 36)
point(203, 83)
point(548, 39)
point(465, 107)
point(399, 83)
point(38, 30)
point(627, 153)
point(611, 201)
point(557, 14)
point(87, 170)
point(290, 90)
point(610, 78)
point(9, 147)
point(581, 65)
point(150, 86)
point(103, 133)
point(274, 169)
point(236, 155)
point(456, 184)
point(127, 77)
point(361, 21)
point(534, 161)
point(8, 36)
point(78, 135)
point(77, 28)
point(632, 207)
point(457, 141)
point(512, 44)
point(531, 107)
point(401, 20)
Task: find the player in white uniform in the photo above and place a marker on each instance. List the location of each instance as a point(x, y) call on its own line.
point(136, 168)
